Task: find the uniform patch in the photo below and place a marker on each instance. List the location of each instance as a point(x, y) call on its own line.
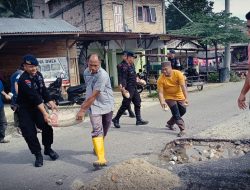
point(28, 82)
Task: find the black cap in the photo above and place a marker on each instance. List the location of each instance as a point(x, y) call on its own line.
point(30, 60)
point(172, 51)
point(131, 54)
point(125, 52)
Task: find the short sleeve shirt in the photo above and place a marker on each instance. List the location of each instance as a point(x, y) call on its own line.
point(171, 86)
point(99, 81)
point(13, 79)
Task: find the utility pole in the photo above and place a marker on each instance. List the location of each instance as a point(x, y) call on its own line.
point(227, 56)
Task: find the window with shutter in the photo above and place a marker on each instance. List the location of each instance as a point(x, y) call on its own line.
point(139, 14)
point(146, 14)
point(152, 14)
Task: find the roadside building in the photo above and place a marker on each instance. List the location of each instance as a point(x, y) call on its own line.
point(50, 40)
point(119, 18)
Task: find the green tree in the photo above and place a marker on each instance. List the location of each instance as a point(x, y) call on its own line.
point(175, 20)
point(219, 28)
point(215, 28)
point(16, 8)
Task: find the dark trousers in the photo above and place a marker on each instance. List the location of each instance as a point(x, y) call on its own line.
point(29, 119)
point(177, 110)
point(3, 123)
point(16, 119)
point(130, 110)
point(135, 98)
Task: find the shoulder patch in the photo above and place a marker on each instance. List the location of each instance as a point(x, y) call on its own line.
point(28, 82)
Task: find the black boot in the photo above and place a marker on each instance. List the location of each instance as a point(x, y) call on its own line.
point(51, 153)
point(141, 122)
point(131, 113)
point(39, 159)
point(119, 113)
point(116, 123)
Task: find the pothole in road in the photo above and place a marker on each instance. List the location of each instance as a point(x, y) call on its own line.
point(183, 151)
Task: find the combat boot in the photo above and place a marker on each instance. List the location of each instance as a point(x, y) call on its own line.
point(51, 153)
point(116, 123)
point(141, 122)
point(39, 159)
point(131, 114)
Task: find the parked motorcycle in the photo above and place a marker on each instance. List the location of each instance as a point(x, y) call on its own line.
point(145, 83)
point(75, 93)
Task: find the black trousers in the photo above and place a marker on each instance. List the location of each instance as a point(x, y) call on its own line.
point(135, 98)
point(3, 123)
point(29, 119)
point(177, 110)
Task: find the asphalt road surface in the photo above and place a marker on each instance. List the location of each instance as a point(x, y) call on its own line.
point(209, 107)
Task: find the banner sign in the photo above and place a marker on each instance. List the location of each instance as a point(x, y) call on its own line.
point(51, 68)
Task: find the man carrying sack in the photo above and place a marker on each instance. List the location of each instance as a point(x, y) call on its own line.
point(100, 104)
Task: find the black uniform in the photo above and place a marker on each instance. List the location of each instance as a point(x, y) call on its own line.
point(119, 70)
point(31, 93)
point(128, 80)
point(175, 64)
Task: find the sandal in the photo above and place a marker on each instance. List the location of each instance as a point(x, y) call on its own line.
point(170, 127)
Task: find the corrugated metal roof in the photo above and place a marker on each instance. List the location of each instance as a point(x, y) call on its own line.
point(23, 26)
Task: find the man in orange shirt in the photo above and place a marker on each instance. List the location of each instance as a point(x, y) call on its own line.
point(173, 93)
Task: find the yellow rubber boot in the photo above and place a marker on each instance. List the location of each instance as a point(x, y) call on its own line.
point(98, 143)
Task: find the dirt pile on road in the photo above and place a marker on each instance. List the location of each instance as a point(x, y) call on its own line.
point(133, 174)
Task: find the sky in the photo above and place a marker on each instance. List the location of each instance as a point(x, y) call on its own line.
point(238, 8)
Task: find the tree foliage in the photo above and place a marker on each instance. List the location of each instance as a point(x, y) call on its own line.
point(215, 28)
point(192, 8)
point(16, 8)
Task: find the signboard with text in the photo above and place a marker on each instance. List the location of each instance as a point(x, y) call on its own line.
point(51, 68)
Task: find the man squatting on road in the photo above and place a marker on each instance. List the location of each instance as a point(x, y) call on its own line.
point(246, 87)
point(173, 93)
point(32, 94)
point(100, 105)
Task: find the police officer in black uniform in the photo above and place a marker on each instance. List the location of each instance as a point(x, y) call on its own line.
point(32, 95)
point(128, 82)
point(119, 70)
point(175, 63)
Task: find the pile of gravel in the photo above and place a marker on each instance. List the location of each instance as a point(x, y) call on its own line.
point(132, 174)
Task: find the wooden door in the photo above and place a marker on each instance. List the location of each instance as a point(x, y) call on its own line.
point(118, 18)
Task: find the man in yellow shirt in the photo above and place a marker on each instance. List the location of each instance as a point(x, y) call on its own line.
point(173, 93)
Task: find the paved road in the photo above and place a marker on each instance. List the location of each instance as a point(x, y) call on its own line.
point(207, 108)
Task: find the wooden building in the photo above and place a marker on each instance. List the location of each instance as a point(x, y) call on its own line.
point(52, 41)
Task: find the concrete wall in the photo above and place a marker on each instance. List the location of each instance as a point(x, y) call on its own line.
point(98, 15)
point(40, 9)
point(86, 15)
point(130, 16)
